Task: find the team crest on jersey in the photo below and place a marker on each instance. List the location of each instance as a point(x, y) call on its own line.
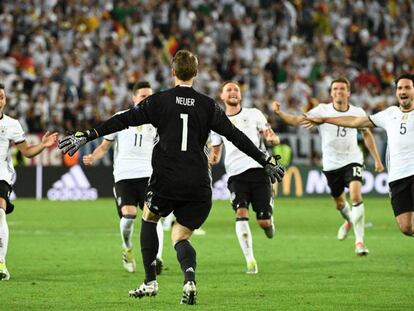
point(404, 117)
point(139, 128)
point(3, 130)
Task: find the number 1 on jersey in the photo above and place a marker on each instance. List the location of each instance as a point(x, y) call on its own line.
point(136, 139)
point(184, 117)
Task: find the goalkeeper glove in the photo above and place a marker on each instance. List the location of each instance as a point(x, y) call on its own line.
point(71, 143)
point(274, 169)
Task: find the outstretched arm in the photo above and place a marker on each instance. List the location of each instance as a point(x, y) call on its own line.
point(98, 153)
point(372, 147)
point(287, 118)
point(31, 151)
point(355, 122)
point(134, 116)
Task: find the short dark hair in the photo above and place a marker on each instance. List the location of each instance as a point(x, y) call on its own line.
point(140, 85)
point(408, 76)
point(227, 82)
point(185, 65)
point(1, 86)
point(341, 80)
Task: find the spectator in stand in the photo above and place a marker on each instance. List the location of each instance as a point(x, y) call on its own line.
point(54, 48)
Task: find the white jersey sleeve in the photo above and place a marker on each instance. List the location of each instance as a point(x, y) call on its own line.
point(10, 131)
point(381, 118)
point(262, 123)
point(111, 137)
point(17, 135)
point(400, 132)
point(316, 112)
point(215, 139)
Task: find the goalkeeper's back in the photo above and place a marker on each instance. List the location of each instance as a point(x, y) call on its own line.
point(183, 118)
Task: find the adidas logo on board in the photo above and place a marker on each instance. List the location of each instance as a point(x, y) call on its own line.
point(73, 185)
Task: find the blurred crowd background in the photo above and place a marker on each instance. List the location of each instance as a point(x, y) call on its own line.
point(68, 64)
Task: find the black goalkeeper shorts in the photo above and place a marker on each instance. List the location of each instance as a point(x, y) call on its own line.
point(190, 214)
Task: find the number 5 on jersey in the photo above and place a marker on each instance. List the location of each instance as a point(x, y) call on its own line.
point(403, 128)
point(184, 136)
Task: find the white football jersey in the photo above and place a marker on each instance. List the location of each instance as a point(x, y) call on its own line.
point(400, 132)
point(251, 122)
point(10, 132)
point(339, 144)
point(133, 151)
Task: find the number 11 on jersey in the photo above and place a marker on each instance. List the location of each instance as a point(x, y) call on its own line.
point(184, 117)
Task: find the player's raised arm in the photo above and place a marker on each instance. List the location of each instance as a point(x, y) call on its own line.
point(287, 118)
point(98, 153)
point(354, 122)
point(30, 151)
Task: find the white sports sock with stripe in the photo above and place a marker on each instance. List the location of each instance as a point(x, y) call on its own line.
point(358, 219)
point(160, 233)
point(4, 235)
point(245, 238)
point(126, 225)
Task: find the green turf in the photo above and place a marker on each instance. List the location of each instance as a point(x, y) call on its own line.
point(66, 256)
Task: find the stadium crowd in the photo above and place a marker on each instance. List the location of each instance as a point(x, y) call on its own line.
point(70, 64)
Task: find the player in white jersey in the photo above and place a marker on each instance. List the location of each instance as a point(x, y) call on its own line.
point(341, 158)
point(248, 182)
point(398, 122)
point(132, 169)
point(11, 132)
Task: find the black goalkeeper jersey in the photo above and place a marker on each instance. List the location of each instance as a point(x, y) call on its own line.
point(183, 118)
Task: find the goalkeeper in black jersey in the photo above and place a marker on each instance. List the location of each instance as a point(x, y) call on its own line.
point(181, 178)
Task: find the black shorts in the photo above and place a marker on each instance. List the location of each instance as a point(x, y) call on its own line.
point(252, 187)
point(339, 179)
point(402, 195)
point(130, 192)
point(190, 214)
point(5, 191)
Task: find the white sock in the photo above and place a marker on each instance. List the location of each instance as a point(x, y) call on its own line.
point(346, 212)
point(126, 226)
point(4, 235)
point(358, 219)
point(245, 238)
point(160, 233)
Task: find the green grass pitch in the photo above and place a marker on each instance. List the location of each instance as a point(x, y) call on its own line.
point(67, 256)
